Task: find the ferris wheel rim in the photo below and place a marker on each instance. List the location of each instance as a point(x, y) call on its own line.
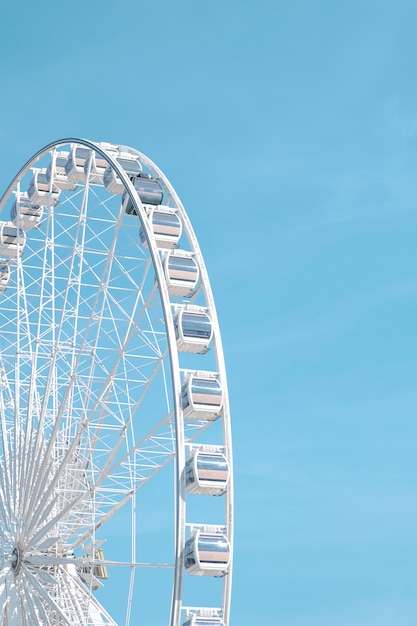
point(173, 353)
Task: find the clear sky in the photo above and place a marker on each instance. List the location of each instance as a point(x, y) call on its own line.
point(289, 129)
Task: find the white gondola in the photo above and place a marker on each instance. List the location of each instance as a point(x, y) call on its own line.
point(166, 226)
point(95, 166)
point(91, 575)
point(148, 189)
point(25, 214)
point(206, 472)
point(132, 167)
point(41, 191)
point(12, 240)
point(201, 396)
point(74, 166)
point(193, 329)
point(59, 174)
point(181, 273)
point(203, 617)
point(4, 275)
point(206, 553)
point(88, 577)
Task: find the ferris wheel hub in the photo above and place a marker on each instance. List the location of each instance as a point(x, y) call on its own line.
point(16, 559)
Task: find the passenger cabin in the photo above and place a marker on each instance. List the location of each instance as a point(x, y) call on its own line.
point(12, 240)
point(4, 275)
point(203, 617)
point(181, 273)
point(206, 553)
point(100, 571)
point(193, 329)
point(25, 214)
point(91, 575)
point(74, 167)
point(41, 191)
point(206, 472)
point(201, 396)
point(166, 226)
point(60, 178)
point(111, 180)
point(89, 578)
point(148, 189)
point(94, 168)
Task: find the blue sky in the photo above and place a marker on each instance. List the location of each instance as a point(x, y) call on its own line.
point(289, 130)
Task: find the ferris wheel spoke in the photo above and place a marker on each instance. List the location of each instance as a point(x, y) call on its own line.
point(3, 594)
point(12, 609)
point(44, 457)
point(56, 519)
point(5, 469)
point(36, 607)
point(109, 374)
point(96, 432)
point(61, 517)
point(63, 601)
point(97, 614)
point(46, 504)
point(101, 521)
point(104, 392)
point(75, 598)
point(42, 483)
point(19, 310)
point(111, 300)
point(46, 597)
point(4, 511)
point(146, 458)
point(30, 358)
point(150, 459)
point(43, 560)
point(150, 454)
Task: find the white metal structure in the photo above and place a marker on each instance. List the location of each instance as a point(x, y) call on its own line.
point(94, 510)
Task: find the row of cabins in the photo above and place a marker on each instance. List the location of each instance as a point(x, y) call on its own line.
point(207, 550)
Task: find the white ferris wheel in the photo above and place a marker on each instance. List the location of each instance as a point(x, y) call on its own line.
point(116, 498)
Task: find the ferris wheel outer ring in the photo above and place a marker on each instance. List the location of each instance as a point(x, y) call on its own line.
point(173, 352)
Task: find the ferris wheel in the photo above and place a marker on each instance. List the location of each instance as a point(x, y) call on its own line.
point(116, 496)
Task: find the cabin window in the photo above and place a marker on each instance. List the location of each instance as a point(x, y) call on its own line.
point(181, 263)
point(82, 153)
point(184, 397)
point(210, 387)
point(189, 472)
point(212, 544)
point(10, 233)
point(165, 219)
point(194, 325)
point(131, 166)
point(209, 462)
